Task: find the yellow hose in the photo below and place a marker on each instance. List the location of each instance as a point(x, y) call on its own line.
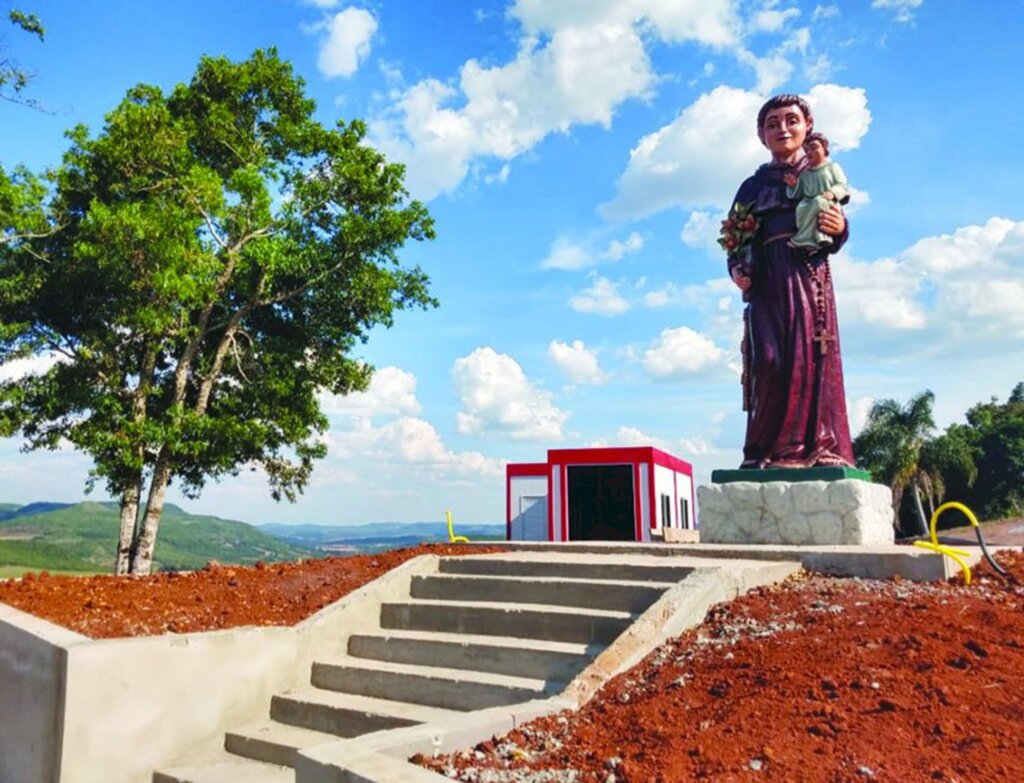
point(451, 531)
point(957, 555)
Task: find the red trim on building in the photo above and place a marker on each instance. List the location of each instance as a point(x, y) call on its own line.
point(652, 496)
point(529, 469)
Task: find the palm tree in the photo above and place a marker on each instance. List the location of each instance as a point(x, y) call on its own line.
point(894, 446)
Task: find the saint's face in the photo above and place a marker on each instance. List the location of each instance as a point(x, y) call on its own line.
point(784, 131)
point(816, 153)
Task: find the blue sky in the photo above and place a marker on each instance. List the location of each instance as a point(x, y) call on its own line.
point(577, 156)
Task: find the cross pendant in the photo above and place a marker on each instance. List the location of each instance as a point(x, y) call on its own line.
point(823, 338)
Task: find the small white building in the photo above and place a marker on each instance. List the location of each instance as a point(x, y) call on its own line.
point(602, 494)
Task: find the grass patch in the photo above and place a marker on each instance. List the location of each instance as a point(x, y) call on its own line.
point(16, 572)
point(39, 556)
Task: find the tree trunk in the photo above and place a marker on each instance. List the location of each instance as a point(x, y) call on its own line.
point(132, 494)
point(129, 519)
point(145, 541)
point(920, 510)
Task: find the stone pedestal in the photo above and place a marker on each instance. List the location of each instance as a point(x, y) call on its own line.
point(844, 511)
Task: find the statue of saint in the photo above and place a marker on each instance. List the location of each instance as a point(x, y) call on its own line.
point(793, 373)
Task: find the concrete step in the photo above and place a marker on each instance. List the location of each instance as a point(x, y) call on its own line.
point(451, 689)
point(527, 621)
point(601, 567)
point(226, 768)
point(558, 591)
point(347, 714)
point(272, 742)
point(556, 661)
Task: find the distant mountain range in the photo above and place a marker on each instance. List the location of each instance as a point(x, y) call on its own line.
point(83, 537)
point(377, 535)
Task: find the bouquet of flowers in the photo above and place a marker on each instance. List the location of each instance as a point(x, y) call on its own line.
point(738, 228)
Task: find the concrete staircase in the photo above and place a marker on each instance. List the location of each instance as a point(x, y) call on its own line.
point(484, 631)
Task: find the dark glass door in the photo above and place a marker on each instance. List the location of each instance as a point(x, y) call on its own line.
point(600, 499)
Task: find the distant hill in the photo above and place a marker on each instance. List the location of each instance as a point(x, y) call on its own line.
point(83, 537)
point(378, 536)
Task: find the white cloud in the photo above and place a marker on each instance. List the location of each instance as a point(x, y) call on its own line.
point(577, 62)
point(770, 20)
point(602, 298)
point(710, 22)
point(347, 42)
point(33, 365)
point(697, 160)
point(322, 3)
point(819, 69)
point(841, 113)
point(568, 254)
point(858, 200)
point(498, 398)
point(579, 76)
point(702, 230)
point(392, 392)
point(408, 441)
point(858, 413)
point(952, 289)
point(904, 9)
point(686, 448)
point(880, 294)
point(661, 297)
point(771, 70)
point(616, 249)
point(825, 12)
point(685, 163)
point(682, 351)
point(578, 362)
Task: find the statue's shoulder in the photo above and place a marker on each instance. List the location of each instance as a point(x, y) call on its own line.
point(753, 186)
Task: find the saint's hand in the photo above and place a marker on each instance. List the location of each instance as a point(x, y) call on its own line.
point(789, 179)
point(831, 221)
point(740, 279)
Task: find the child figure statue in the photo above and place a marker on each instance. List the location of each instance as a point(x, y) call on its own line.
point(820, 186)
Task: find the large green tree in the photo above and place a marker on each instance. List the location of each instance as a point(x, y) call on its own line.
point(994, 433)
point(200, 271)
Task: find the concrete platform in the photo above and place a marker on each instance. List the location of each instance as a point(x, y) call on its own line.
point(869, 562)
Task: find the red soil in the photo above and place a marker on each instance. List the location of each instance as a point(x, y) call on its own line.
point(219, 596)
point(819, 679)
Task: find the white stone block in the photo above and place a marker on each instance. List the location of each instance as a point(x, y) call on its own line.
point(809, 497)
point(778, 501)
point(806, 513)
point(794, 529)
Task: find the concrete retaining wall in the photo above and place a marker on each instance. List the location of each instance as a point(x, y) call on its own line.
point(78, 710)
point(33, 659)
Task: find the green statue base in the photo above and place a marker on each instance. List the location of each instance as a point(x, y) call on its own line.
point(789, 475)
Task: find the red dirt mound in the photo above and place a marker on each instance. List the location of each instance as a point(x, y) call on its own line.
point(816, 680)
point(219, 596)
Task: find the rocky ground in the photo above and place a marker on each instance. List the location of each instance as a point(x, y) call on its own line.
point(818, 679)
